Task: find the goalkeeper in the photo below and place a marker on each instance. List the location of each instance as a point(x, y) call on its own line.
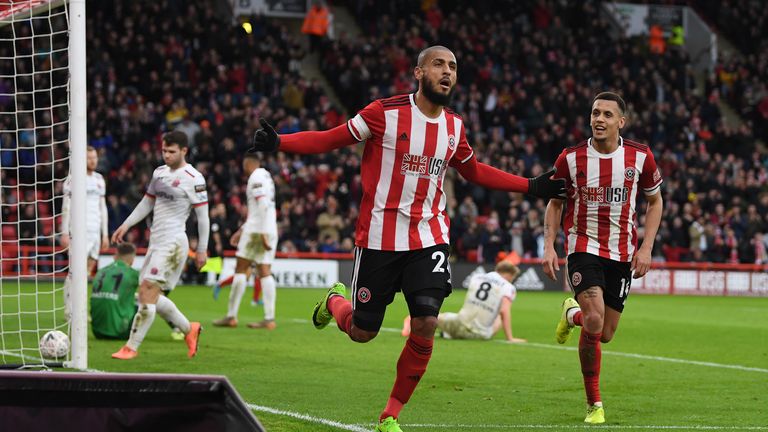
point(113, 299)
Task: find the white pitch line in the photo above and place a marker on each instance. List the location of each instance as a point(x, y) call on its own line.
point(615, 353)
point(552, 426)
point(364, 427)
point(646, 357)
point(309, 418)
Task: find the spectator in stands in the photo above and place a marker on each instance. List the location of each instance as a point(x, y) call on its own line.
point(316, 24)
point(329, 222)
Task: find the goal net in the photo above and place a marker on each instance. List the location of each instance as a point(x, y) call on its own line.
point(35, 129)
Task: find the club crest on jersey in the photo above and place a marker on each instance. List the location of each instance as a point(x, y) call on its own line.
point(629, 173)
point(176, 183)
point(421, 166)
point(576, 279)
point(451, 142)
point(363, 295)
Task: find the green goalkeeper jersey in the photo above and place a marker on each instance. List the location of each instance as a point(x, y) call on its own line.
point(113, 300)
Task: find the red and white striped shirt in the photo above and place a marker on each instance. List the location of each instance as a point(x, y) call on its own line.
point(404, 162)
point(602, 194)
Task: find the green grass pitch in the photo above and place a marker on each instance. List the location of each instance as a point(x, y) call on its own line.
point(677, 363)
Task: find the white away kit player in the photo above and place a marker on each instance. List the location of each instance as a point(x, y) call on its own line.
point(174, 190)
point(487, 307)
point(256, 243)
point(96, 219)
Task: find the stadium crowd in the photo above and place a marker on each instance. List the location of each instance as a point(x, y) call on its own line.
point(527, 74)
point(742, 79)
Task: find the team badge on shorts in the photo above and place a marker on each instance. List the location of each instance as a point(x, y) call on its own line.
point(363, 295)
point(154, 270)
point(576, 279)
point(629, 173)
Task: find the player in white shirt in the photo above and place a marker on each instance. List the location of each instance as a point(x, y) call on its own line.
point(487, 307)
point(174, 190)
point(97, 234)
point(256, 242)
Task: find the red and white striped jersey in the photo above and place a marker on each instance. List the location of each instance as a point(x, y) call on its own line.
point(404, 161)
point(602, 195)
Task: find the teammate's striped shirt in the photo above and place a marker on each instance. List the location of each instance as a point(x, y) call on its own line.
point(175, 193)
point(602, 195)
point(404, 162)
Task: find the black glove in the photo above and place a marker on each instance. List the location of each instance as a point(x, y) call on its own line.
point(545, 187)
point(265, 139)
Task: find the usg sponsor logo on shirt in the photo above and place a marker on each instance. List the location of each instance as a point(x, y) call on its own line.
point(422, 166)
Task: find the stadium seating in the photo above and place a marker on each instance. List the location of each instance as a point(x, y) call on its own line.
point(526, 77)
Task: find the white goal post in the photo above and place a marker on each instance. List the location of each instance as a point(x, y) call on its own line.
point(43, 139)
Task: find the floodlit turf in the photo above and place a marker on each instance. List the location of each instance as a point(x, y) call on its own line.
point(702, 364)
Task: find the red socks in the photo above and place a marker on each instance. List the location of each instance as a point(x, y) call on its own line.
point(590, 355)
point(341, 309)
point(578, 319)
point(410, 368)
point(227, 281)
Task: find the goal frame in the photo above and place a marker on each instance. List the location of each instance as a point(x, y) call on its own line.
point(78, 137)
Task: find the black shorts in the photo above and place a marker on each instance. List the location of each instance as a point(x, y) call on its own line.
point(423, 276)
point(614, 277)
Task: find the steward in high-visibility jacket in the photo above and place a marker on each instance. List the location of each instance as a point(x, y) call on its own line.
point(316, 21)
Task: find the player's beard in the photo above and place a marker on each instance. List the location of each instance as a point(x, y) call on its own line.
point(427, 89)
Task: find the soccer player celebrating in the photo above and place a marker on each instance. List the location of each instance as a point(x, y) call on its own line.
point(604, 176)
point(402, 231)
point(256, 242)
point(96, 221)
point(174, 190)
point(113, 298)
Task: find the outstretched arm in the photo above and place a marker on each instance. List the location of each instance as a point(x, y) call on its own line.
point(487, 176)
point(310, 142)
point(490, 177)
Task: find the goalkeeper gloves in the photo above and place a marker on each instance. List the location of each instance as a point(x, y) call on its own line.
point(545, 187)
point(265, 139)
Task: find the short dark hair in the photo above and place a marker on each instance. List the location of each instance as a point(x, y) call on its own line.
point(176, 137)
point(258, 156)
point(426, 51)
point(611, 96)
point(126, 248)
